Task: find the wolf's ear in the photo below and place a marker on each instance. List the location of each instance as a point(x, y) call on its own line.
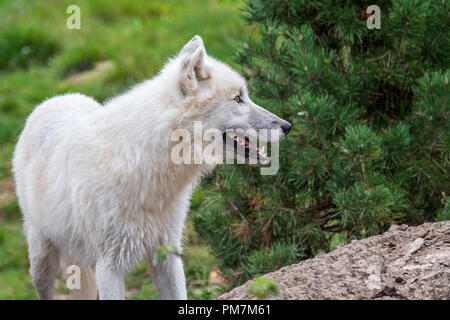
point(193, 66)
point(192, 45)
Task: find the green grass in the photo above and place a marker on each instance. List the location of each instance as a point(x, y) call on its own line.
point(37, 56)
point(15, 281)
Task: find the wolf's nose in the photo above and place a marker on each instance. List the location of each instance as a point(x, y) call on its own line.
point(286, 127)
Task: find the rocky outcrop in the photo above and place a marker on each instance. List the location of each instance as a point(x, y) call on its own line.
point(403, 263)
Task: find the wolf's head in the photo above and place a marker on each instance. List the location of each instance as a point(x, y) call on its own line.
point(215, 94)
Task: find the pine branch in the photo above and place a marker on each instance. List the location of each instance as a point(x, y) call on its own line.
point(231, 204)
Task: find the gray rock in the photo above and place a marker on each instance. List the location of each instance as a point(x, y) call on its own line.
point(403, 263)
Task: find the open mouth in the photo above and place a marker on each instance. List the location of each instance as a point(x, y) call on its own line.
point(242, 147)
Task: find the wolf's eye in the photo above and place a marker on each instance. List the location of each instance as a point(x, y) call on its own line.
point(238, 99)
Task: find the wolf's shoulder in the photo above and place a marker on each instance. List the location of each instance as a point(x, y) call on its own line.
point(68, 104)
point(50, 120)
point(62, 108)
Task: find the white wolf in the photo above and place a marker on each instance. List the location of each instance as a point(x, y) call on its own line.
point(96, 184)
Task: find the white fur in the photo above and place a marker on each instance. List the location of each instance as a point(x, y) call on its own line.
point(95, 183)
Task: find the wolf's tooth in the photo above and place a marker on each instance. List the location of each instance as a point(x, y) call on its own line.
point(262, 152)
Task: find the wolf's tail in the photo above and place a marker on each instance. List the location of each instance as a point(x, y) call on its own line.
point(88, 288)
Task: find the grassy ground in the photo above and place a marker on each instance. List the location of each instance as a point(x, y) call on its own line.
point(40, 58)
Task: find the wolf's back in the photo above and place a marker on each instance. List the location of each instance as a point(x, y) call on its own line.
point(45, 128)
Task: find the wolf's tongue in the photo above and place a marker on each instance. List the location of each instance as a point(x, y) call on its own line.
point(250, 145)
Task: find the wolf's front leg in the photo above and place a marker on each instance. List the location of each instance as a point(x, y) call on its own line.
point(110, 282)
point(169, 277)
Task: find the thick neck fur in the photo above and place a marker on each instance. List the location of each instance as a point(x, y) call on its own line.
point(136, 126)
